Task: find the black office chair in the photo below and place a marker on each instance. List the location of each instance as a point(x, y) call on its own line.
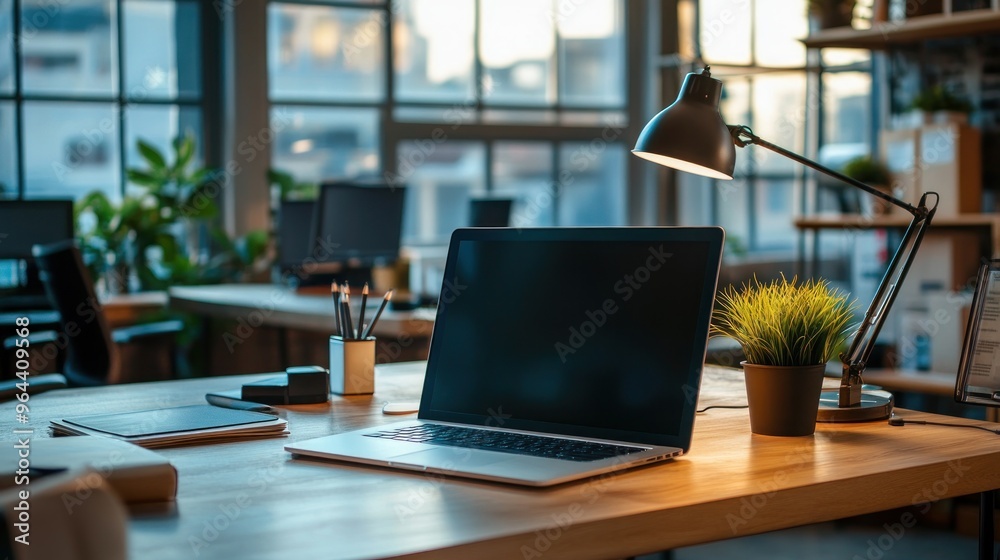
point(89, 348)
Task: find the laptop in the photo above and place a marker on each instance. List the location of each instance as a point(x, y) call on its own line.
point(557, 354)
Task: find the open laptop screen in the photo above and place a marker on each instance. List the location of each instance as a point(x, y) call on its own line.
point(596, 332)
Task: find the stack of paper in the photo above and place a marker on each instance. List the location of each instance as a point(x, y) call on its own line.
point(176, 426)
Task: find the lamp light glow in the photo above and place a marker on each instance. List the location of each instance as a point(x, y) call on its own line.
point(682, 165)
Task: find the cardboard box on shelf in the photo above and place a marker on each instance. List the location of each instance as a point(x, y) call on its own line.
point(900, 151)
point(950, 164)
point(945, 158)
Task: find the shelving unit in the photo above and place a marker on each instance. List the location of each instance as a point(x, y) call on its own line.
point(989, 223)
point(888, 34)
point(961, 230)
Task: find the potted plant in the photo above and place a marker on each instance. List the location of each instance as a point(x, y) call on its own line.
point(788, 331)
point(874, 173)
point(937, 104)
point(163, 232)
point(831, 13)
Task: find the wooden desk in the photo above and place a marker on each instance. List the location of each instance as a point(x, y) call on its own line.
point(295, 327)
point(279, 306)
point(935, 383)
point(731, 484)
point(128, 309)
point(926, 382)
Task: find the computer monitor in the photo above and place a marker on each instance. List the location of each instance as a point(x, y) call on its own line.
point(357, 225)
point(23, 224)
point(490, 212)
point(295, 223)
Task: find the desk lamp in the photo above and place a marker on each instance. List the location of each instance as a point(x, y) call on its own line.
point(691, 136)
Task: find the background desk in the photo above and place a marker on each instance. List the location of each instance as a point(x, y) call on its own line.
point(264, 326)
point(926, 383)
point(731, 484)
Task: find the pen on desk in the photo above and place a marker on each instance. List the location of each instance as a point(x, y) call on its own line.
point(348, 326)
point(335, 292)
point(361, 315)
point(223, 401)
point(381, 308)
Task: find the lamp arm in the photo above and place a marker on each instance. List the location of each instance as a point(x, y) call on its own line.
point(856, 358)
point(743, 135)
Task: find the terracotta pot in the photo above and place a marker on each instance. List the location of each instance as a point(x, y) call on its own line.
point(783, 400)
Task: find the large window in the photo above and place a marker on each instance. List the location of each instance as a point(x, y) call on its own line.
point(89, 78)
point(457, 99)
point(816, 104)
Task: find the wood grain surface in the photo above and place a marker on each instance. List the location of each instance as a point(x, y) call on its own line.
point(253, 500)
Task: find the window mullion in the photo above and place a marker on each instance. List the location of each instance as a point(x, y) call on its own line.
point(388, 141)
point(18, 100)
point(477, 60)
point(121, 98)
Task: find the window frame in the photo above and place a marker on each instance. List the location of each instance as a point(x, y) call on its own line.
point(120, 101)
point(814, 70)
point(394, 130)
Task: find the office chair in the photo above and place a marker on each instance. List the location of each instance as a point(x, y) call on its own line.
point(89, 353)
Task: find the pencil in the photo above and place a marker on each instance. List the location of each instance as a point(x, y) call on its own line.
point(335, 292)
point(381, 308)
point(361, 316)
point(348, 327)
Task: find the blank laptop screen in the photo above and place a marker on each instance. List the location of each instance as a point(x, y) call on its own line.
point(599, 337)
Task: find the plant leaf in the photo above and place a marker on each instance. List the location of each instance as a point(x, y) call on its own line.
point(143, 178)
point(185, 151)
point(151, 155)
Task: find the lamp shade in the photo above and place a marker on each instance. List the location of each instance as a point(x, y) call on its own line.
point(690, 134)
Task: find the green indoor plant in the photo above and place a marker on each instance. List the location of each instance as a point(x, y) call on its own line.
point(939, 104)
point(874, 173)
point(788, 330)
point(163, 232)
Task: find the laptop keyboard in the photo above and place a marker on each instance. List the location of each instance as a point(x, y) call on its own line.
point(507, 442)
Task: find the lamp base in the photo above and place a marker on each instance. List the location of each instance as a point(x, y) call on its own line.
point(875, 405)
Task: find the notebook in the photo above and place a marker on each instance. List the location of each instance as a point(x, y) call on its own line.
point(175, 426)
point(557, 354)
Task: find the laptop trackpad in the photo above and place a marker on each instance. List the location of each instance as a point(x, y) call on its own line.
point(450, 458)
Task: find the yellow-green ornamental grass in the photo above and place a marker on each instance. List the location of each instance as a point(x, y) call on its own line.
point(784, 323)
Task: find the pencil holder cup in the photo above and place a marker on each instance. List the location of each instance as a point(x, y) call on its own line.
point(352, 366)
